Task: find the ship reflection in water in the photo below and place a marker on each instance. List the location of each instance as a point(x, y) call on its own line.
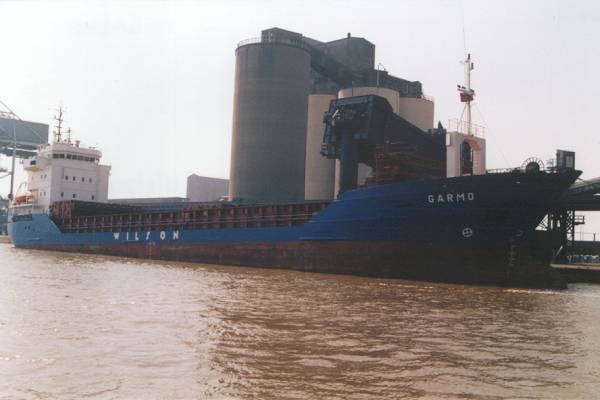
point(75, 326)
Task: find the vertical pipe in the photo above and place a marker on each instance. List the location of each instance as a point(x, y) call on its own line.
point(12, 168)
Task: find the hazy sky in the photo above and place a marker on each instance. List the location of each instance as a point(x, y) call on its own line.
point(151, 83)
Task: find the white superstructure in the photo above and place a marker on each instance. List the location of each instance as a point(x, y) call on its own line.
point(63, 170)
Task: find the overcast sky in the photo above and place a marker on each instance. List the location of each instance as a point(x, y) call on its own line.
point(151, 83)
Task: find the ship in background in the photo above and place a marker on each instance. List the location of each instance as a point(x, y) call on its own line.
point(425, 206)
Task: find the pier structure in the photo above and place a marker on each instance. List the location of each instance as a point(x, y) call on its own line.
point(582, 196)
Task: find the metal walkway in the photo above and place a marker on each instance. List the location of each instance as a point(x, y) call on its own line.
point(583, 195)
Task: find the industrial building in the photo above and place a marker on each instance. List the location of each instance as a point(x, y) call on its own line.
point(22, 136)
point(203, 188)
point(284, 82)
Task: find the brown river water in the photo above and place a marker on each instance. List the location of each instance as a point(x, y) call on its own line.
point(93, 327)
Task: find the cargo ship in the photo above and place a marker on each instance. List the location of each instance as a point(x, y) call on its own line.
point(429, 211)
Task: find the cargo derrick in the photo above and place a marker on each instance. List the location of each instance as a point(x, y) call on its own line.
point(364, 129)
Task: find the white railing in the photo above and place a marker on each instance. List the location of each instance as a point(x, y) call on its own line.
point(456, 125)
point(249, 41)
point(292, 41)
point(25, 209)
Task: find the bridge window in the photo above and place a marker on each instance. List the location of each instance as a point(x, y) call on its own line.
point(73, 178)
point(74, 195)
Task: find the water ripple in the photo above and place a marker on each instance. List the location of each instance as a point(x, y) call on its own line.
point(74, 326)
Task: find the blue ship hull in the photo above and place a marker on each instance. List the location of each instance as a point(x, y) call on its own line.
point(464, 229)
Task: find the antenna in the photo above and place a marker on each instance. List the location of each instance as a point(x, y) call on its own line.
point(467, 94)
point(58, 126)
point(464, 33)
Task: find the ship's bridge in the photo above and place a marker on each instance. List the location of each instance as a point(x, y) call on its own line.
point(61, 151)
point(63, 170)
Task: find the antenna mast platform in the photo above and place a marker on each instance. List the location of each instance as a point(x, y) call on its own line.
point(467, 94)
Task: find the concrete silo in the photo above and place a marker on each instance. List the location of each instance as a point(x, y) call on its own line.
point(320, 171)
point(272, 81)
point(417, 110)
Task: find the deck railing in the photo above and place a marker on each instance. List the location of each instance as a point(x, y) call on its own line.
point(456, 125)
point(296, 42)
point(198, 218)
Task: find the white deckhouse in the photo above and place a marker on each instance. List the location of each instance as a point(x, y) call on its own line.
point(62, 170)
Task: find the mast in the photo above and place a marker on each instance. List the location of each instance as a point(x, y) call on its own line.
point(467, 94)
point(58, 126)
